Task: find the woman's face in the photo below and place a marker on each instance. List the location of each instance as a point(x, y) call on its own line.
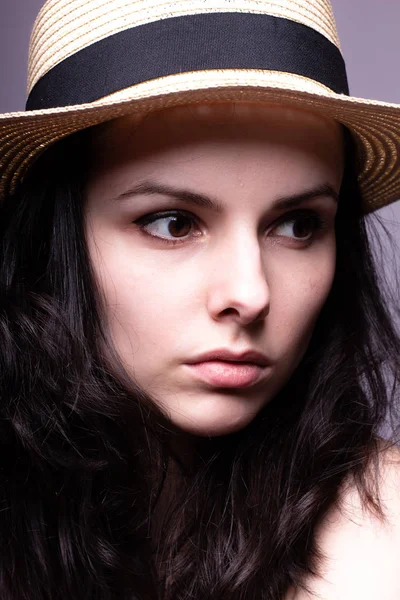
point(211, 228)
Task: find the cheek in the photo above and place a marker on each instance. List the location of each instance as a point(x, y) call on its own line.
point(144, 301)
point(299, 300)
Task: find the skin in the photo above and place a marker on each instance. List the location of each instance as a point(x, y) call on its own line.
point(242, 278)
point(361, 551)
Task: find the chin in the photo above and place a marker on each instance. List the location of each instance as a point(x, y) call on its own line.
point(212, 427)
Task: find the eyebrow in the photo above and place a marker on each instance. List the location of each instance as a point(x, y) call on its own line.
point(151, 188)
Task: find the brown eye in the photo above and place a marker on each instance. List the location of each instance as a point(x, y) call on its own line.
point(169, 227)
point(179, 226)
point(301, 226)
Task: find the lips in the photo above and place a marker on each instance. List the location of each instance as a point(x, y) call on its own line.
point(227, 374)
point(224, 354)
point(224, 368)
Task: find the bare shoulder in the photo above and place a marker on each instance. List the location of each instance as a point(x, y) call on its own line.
point(361, 550)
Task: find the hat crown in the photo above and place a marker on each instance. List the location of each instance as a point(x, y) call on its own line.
point(64, 27)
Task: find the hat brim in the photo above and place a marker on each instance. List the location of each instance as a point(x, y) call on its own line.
point(375, 125)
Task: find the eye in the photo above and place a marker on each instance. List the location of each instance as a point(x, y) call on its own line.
point(300, 226)
point(170, 227)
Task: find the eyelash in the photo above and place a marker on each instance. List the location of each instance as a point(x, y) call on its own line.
point(319, 223)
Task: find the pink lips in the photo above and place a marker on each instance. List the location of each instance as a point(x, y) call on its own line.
point(225, 368)
point(227, 374)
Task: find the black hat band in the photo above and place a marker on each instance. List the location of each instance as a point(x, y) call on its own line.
point(187, 43)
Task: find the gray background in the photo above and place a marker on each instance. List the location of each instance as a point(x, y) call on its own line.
point(368, 30)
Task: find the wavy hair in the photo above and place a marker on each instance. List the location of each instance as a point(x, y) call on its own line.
point(85, 452)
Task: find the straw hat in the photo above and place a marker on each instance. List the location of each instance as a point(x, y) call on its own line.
point(95, 60)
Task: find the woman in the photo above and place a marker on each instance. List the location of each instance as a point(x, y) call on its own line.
point(196, 345)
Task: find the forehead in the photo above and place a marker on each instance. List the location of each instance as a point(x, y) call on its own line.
point(188, 125)
point(201, 144)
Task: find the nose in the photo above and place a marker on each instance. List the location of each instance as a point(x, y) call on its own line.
point(238, 287)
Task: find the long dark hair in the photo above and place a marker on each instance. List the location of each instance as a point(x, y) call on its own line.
point(85, 452)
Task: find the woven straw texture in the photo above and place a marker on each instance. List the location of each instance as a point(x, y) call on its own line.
point(65, 26)
point(375, 126)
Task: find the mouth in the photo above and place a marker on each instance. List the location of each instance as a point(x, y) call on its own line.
point(228, 374)
point(226, 355)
